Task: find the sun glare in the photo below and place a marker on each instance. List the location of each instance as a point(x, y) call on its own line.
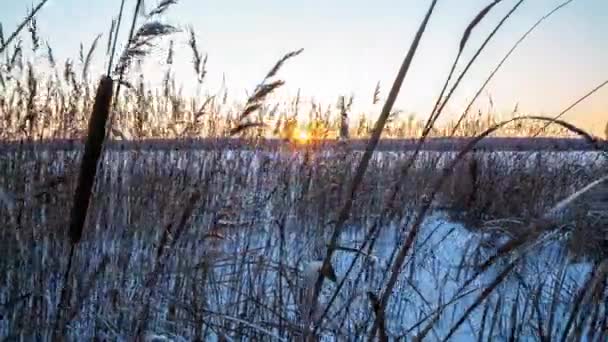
point(301, 136)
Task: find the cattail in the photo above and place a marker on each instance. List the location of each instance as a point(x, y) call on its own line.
point(92, 152)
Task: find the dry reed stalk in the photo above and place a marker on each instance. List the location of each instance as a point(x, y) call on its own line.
point(597, 279)
point(552, 214)
point(113, 37)
point(84, 187)
point(574, 104)
point(376, 97)
point(362, 167)
point(170, 236)
point(484, 294)
point(463, 41)
point(86, 63)
point(441, 101)
point(400, 256)
point(198, 62)
point(22, 25)
point(161, 7)
point(383, 119)
point(261, 92)
point(439, 108)
point(504, 59)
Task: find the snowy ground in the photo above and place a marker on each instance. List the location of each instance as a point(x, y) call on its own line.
point(249, 284)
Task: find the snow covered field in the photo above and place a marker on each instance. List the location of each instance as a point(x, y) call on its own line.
point(235, 269)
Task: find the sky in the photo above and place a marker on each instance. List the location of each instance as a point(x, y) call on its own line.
point(350, 45)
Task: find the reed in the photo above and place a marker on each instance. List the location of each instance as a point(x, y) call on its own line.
point(236, 242)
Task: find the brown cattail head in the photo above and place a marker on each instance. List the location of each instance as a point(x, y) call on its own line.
point(92, 152)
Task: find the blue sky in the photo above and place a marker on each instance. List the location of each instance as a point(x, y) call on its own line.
point(350, 45)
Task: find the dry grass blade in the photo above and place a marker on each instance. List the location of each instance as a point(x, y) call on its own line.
point(142, 42)
point(245, 126)
point(376, 97)
point(113, 37)
point(264, 90)
point(203, 107)
point(558, 210)
point(16, 58)
point(578, 101)
point(482, 296)
point(379, 313)
point(422, 211)
point(254, 102)
point(110, 36)
point(275, 69)
point(539, 315)
point(33, 29)
point(501, 63)
point(253, 326)
point(20, 27)
point(595, 279)
point(250, 109)
point(197, 59)
point(2, 41)
point(362, 167)
point(88, 287)
point(436, 315)
point(441, 102)
point(478, 18)
point(89, 58)
point(170, 53)
point(170, 236)
point(162, 7)
point(513, 319)
point(484, 318)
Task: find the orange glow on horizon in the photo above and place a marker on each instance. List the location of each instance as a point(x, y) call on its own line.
point(301, 136)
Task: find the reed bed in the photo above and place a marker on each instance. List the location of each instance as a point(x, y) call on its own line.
point(306, 243)
point(261, 218)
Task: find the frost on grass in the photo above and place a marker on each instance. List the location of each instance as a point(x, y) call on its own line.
point(243, 264)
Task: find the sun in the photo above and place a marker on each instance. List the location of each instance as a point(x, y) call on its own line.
point(301, 136)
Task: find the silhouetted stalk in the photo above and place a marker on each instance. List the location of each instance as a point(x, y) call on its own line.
point(84, 187)
point(386, 110)
point(115, 38)
point(403, 251)
point(92, 152)
point(121, 73)
point(574, 104)
point(500, 64)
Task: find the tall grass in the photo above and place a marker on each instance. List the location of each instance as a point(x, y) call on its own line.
point(227, 244)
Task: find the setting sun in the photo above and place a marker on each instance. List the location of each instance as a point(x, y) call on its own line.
point(301, 136)
point(303, 170)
